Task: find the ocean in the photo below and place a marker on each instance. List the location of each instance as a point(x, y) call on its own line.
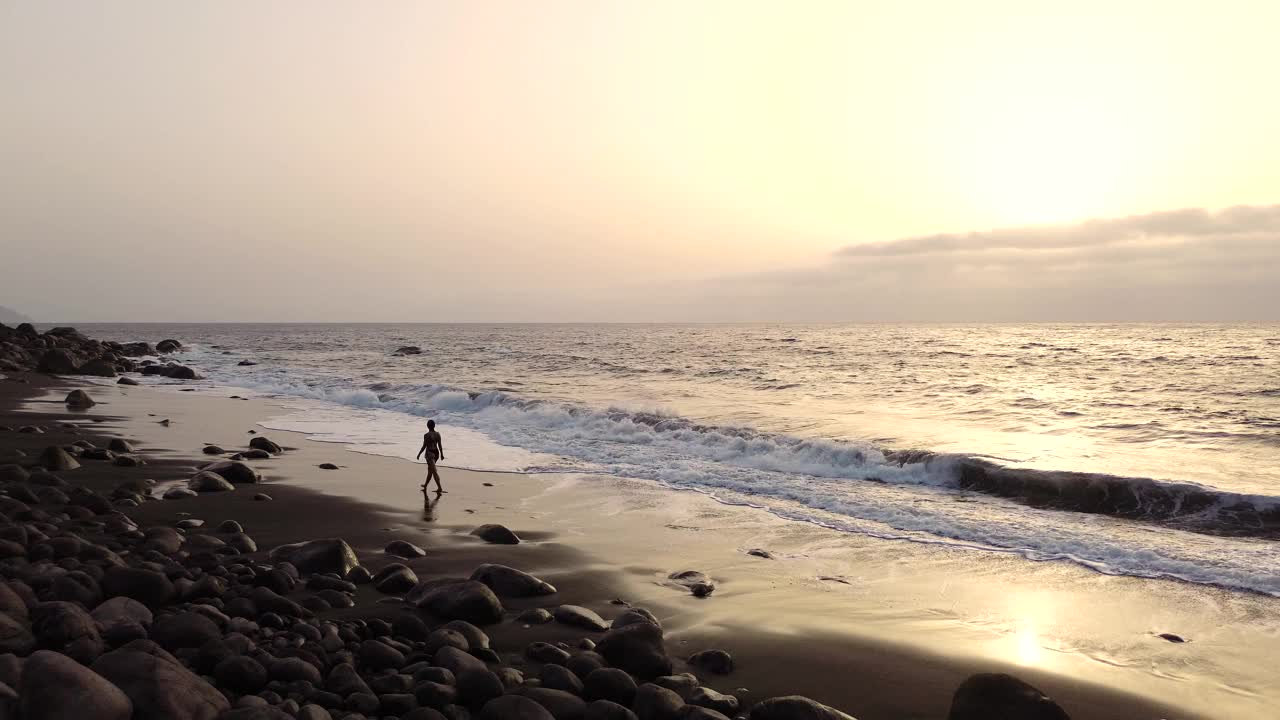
point(1147, 450)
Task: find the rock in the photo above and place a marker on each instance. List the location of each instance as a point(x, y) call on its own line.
point(992, 695)
point(696, 712)
point(561, 705)
point(57, 362)
point(656, 703)
point(14, 636)
point(535, 616)
point(558, 677)
point(462, 600)
point(241, 673)
point(1171, 637)
point(713, 661)
point(234, 472)
point(246, 363)
point(68, 629)
point(212, 450)
point(496, 534)
point(126, 461)
point(760, 553)
point(514, 707)
point(795, 707)
point(708, 698)
point(474, 635)
point(163, 539)
point(408, 350)
point(168, 346)
point(697, 582)
point(609, 684)
point(79, 399)
point(262, 443)
point(394, 579)
point(444, 637)
point(633, 616)
point(327, 466)
point(122, 619)
point(509, 582)
point(318, 556)
point(253, 454)
point(403, 549)
point(293, 669)
point(56, 459)
point(126, 381)
point(98, 368)
point(578, 616)
point(55, 687)
point(205, 481)
point(184, 630)
point(344, 680)
point(178, 493)
point(180, 372)
point(359, 576)
point(262, 497)
point(607, 710)
point(456, 661)
point(478, 687)
point(542, 652)
point(378, 656)
point(636, 648)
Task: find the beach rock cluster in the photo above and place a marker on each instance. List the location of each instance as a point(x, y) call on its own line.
point(66, 351)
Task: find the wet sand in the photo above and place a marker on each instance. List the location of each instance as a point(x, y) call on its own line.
point(876, 629)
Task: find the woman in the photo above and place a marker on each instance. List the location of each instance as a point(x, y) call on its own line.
point(435, 451)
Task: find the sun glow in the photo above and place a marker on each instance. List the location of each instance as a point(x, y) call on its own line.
point(1048, 163)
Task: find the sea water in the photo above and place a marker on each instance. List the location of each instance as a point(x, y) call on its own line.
point(1133, 449)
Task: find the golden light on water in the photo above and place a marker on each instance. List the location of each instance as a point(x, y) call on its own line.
point(1027, 642)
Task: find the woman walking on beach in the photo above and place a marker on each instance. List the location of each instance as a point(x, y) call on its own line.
point(435, 451)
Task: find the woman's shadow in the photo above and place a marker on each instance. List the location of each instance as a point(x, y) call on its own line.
point(429, 503)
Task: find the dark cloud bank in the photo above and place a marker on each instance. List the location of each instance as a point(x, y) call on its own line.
point(1182, 265)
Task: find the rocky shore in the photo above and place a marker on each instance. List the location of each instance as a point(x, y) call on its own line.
point(109, 612)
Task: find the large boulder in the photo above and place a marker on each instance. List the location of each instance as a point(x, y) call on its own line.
point(234, 472)
point(318, 556)
point(636, 648)
point(395, 578)
point(68, 629)
point(159, 686)
point(509, 582)
point(578, 616)
point(184, 630)
point(168, 346)
point(79, 399)
point(122, 619)
point(496, 534)
point(55, 687)
point(653, 702)
point(996, 695)
point(14, 636)
point(795, 707)
point(57, 361)
point(261, 442)
point(57, 459)
point(98, 368)
point(457, 600)
point(205, 481)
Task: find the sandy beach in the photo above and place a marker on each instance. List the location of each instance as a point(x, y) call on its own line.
point(875, 632)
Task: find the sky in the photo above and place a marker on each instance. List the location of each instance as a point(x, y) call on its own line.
point(639, 161)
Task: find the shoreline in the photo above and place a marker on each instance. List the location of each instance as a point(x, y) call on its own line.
point(864, 678)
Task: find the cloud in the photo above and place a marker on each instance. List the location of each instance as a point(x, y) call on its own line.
point(1192, 264)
